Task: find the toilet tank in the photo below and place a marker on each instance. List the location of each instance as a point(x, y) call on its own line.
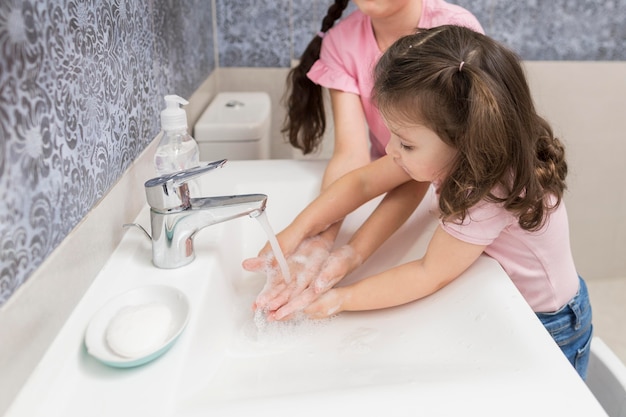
point(236, 125)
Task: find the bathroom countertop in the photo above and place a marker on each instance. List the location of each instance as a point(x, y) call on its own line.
point(472, 348)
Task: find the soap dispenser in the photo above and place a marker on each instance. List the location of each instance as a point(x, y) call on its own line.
point(177, 150)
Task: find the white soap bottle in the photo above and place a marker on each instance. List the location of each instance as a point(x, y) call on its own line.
point(177, 150)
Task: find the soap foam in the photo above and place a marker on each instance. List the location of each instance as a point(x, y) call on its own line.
point(310, 264)
point(287, 332)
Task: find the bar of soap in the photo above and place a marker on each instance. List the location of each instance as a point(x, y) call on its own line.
point(139, 330)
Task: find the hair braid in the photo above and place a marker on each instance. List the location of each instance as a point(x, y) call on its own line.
point(305, 121)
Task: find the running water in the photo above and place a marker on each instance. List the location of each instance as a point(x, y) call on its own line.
point(278, 253)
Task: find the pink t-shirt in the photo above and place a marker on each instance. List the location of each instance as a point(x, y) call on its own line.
point(539, 263)
point(349, 54)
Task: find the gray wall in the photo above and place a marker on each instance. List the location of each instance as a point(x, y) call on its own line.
point(581, 30)
point(81, 86)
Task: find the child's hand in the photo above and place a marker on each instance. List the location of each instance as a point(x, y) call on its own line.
point(275, 283)
point(304, 265)
point(328, 304)
point(336, 266)
point(340, 263)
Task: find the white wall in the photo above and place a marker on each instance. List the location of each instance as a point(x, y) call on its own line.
point(586, 104)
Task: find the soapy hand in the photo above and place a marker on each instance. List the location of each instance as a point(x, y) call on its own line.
point(338, 264)
point(304, 265)
point(328, 304)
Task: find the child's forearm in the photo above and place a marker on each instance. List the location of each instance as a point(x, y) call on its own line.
point(391, 213)
point(347, 194)
point(446, 258)
point(397, 286)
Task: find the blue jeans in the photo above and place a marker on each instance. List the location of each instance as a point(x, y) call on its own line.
point(571, 329)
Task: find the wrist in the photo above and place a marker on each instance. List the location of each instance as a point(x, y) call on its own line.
point(348, 252)
point(344, 295)
point(330, 234)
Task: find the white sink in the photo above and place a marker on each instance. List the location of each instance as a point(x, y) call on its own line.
point(472, 348)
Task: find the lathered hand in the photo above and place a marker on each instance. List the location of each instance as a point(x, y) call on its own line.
point(327, 304)
point(304, 264)
point(339, 263)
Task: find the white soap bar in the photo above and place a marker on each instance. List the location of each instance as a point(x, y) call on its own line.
point(139, 330)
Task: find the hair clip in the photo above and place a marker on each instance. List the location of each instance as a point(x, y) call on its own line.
point(461, 66)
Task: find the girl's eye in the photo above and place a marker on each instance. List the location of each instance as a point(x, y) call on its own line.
point(406, 147)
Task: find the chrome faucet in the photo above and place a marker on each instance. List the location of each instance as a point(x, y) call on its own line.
point(176, 217)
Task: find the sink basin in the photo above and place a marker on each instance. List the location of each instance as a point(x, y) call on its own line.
point(474, 347)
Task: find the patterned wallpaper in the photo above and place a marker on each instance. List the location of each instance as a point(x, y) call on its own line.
point(556, 30)
point(536, 29)
point(81, 86)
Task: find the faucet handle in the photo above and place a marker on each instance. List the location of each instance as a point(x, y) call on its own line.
point(170, 191)
point(177, 178)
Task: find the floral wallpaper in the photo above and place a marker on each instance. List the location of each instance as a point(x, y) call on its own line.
point(253, 33)
point(555, 30)
point(81, 88)
point(82, 81)
point(536, 29)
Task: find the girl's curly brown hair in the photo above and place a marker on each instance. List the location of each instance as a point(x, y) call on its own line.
point(507, 153)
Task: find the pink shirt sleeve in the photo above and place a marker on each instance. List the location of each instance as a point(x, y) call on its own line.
point(482, 225)
point(540, 263)
point(348, 53)
point(330, 72)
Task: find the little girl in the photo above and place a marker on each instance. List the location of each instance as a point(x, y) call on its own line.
point(462, 120)
point(341, 58)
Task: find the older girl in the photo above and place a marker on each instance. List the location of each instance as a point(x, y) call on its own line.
point(462, 120)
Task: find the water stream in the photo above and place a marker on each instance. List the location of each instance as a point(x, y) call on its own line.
point(278, 253)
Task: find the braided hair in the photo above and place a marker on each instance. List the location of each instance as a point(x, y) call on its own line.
point(305, 121)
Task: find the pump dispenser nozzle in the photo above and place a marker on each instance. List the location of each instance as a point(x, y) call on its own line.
point(174, 117)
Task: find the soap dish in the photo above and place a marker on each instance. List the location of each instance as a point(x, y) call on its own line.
point(121, 334)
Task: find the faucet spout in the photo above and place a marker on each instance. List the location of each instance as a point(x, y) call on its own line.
point(173, 233)
point(223, 208)
point(176, 217)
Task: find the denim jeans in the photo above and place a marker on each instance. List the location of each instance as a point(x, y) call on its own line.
point(571, 329)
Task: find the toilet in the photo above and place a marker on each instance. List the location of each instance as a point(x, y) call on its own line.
point(236, 125)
